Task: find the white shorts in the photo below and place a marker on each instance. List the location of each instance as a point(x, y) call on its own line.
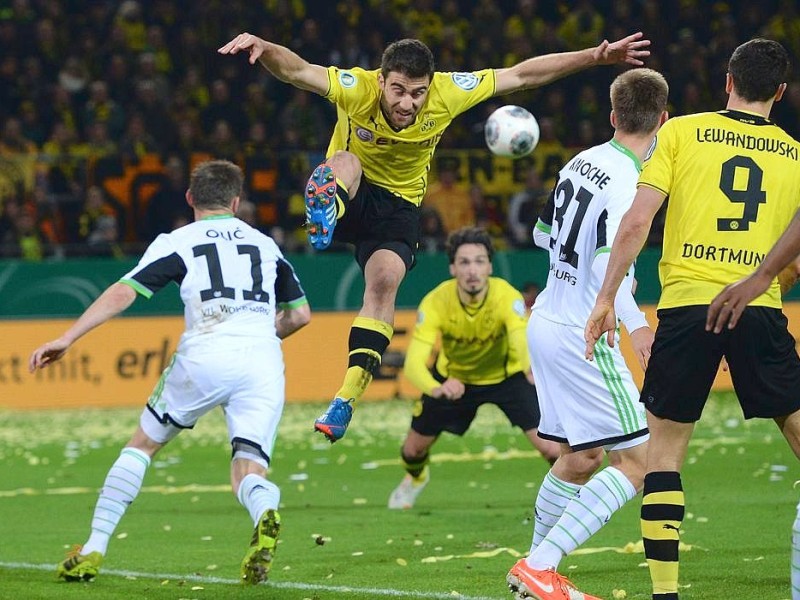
point(583, 404)
point(247, 382)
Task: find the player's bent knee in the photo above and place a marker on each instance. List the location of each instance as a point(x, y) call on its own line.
point(248, 457)
point(347, 168)
point(578, 467)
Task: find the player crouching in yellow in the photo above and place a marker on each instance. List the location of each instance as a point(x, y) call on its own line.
point(480, 321)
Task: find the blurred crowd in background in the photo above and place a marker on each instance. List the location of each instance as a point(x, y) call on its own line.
point(106, 105)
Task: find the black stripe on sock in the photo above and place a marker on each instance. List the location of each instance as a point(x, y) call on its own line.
point(663, 550)
point(662, 512)
point(662, 481)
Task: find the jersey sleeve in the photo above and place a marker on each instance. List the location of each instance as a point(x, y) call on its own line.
point(518, 342)
point(426, 332)
point(514, 312)
point(159, 265)
point(544, 224)
point(516, 322)
point(462, 91)
point(415, 367)
point(288, 291)
point(624, 302)
point(427, 327)
point(657, 169)
point(352, 88)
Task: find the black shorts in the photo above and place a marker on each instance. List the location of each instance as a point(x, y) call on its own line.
point(378, 219)
point(515, 396)
point(761, 355)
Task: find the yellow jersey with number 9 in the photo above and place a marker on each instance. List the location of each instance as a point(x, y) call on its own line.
point(399, 161)
point(733, 184)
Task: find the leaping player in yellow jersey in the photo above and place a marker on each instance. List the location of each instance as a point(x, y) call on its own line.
point(371, 184)
point(479, 322)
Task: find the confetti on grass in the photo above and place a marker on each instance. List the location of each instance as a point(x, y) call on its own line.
point(629, 548)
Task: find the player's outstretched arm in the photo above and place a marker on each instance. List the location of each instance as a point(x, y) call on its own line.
point(541, 70)
point(727, 307)
point(628, 242)
point(110, 303)
point(281, 62)
point(788, 277)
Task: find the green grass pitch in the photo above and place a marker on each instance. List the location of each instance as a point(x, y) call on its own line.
point(184, 536)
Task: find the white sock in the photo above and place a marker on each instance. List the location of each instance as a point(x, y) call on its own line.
point(553, 497)
point(796, 556)
point(586, 513)
point(258, 495)
point(122, 485)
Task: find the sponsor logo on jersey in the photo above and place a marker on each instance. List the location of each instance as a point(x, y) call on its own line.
point(364, 134)
point(347, 79)
point(519, 307)
point(466, 81)
point(420, 316)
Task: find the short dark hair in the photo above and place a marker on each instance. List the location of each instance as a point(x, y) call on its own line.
point(408, 56)
point(468, 235)
point(638, 98)
point(758, 68)
point(215, 183)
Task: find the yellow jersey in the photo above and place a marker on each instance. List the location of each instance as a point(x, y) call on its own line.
point(733, 184)
point(399, 161)
point(475, 346)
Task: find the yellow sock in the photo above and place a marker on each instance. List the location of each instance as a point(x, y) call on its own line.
point(368, 340)
point(661, 518)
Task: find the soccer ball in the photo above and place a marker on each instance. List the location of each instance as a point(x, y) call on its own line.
point(511, 131)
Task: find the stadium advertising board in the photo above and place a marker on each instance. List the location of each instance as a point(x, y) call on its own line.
point(119, 363)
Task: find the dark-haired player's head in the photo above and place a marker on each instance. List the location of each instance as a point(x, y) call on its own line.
point(468, 235)
point(410, 57)
point(470, 252)
point(639, 100)
point(759, 69)
point(406, 74)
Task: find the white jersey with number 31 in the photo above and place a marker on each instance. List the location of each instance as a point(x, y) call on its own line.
point(592, 193)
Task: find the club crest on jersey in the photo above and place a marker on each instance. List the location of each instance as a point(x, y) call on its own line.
point(364, 134)
point(347, 79)
point(427, 124)
point(466, 81)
